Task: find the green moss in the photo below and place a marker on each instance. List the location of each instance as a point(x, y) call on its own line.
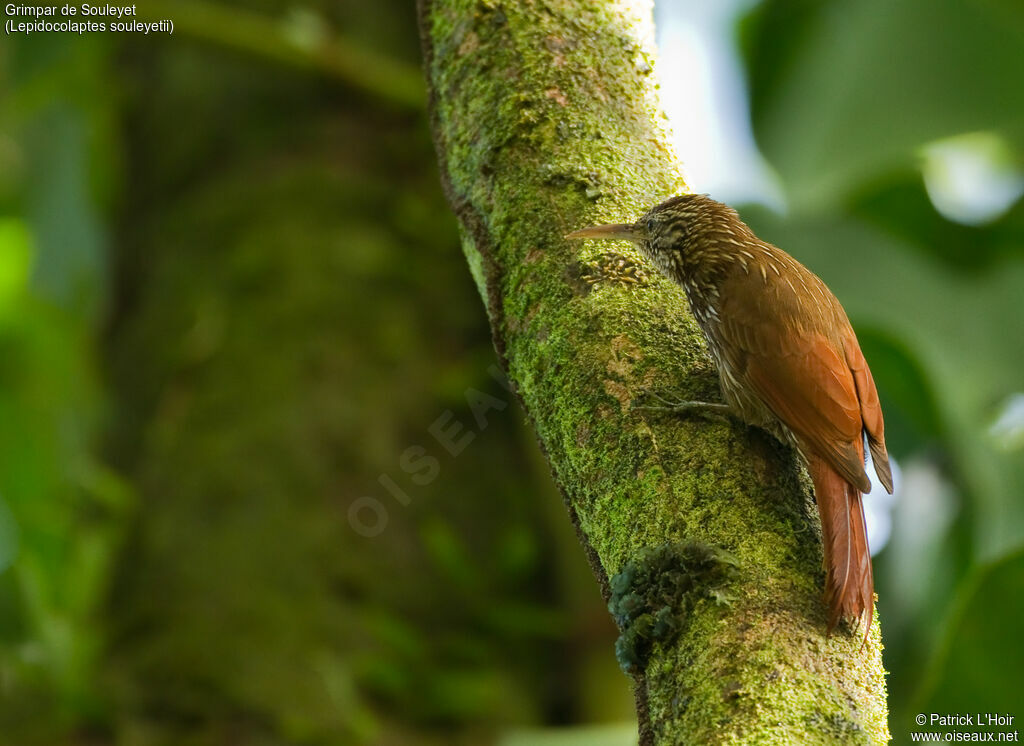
point(650, 596)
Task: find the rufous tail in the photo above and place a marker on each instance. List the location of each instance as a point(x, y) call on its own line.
point(849, 585)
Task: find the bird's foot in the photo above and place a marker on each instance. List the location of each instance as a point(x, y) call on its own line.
point(711, 410)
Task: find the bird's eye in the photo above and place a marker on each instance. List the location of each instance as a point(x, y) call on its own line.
point(650, 225)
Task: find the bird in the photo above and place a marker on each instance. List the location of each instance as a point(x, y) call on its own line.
point(788, 362)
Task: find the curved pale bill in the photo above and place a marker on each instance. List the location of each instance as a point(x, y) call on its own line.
point(622, 232)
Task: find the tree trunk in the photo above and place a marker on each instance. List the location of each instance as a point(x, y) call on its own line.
point(703, 535)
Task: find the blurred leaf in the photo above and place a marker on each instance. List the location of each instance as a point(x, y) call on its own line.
point(70, 513)
point(772, 36)
point(913, 414)
point(303, 39)
point(516, 620)
point(481, 693)
point(900, 205)
point(15, 259)
point(61, 107)
point(1008, 426)
point(450, 555)
point(8, 536)
point(517, 551)
point(981, 660)
point(972, 178)
point(396, 633)
point(70, 265)
point(859, 86)
point(47, 398)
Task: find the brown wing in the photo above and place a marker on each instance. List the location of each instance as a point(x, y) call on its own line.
point(787, 352)
point(870, 408)
point(810, 388)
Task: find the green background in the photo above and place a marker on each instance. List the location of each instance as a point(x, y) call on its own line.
point(231, 299)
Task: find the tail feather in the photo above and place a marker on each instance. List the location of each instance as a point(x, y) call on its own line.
point(849, 585)
point(880, 458)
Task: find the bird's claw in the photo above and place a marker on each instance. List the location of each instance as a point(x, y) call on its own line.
point(700, 408)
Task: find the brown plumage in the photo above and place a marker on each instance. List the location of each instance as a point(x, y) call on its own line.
point(788, 362)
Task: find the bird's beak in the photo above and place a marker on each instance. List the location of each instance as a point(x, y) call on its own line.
point(623, 232)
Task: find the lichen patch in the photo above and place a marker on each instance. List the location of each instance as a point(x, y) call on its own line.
point(556, 95)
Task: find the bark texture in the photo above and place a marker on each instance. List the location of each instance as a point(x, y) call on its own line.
point(703, 535)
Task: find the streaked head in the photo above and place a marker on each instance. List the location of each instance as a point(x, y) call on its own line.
point(670, 234)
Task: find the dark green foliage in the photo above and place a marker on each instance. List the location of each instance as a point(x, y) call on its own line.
point(231, 296)
point(844, 92)
point(314, 318)
point(291, 313)
point(914, 416)
point(899, 204)
point(652, 594)
point(976, 670)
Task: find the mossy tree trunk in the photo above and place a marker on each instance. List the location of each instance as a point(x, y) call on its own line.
point(545, 120)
